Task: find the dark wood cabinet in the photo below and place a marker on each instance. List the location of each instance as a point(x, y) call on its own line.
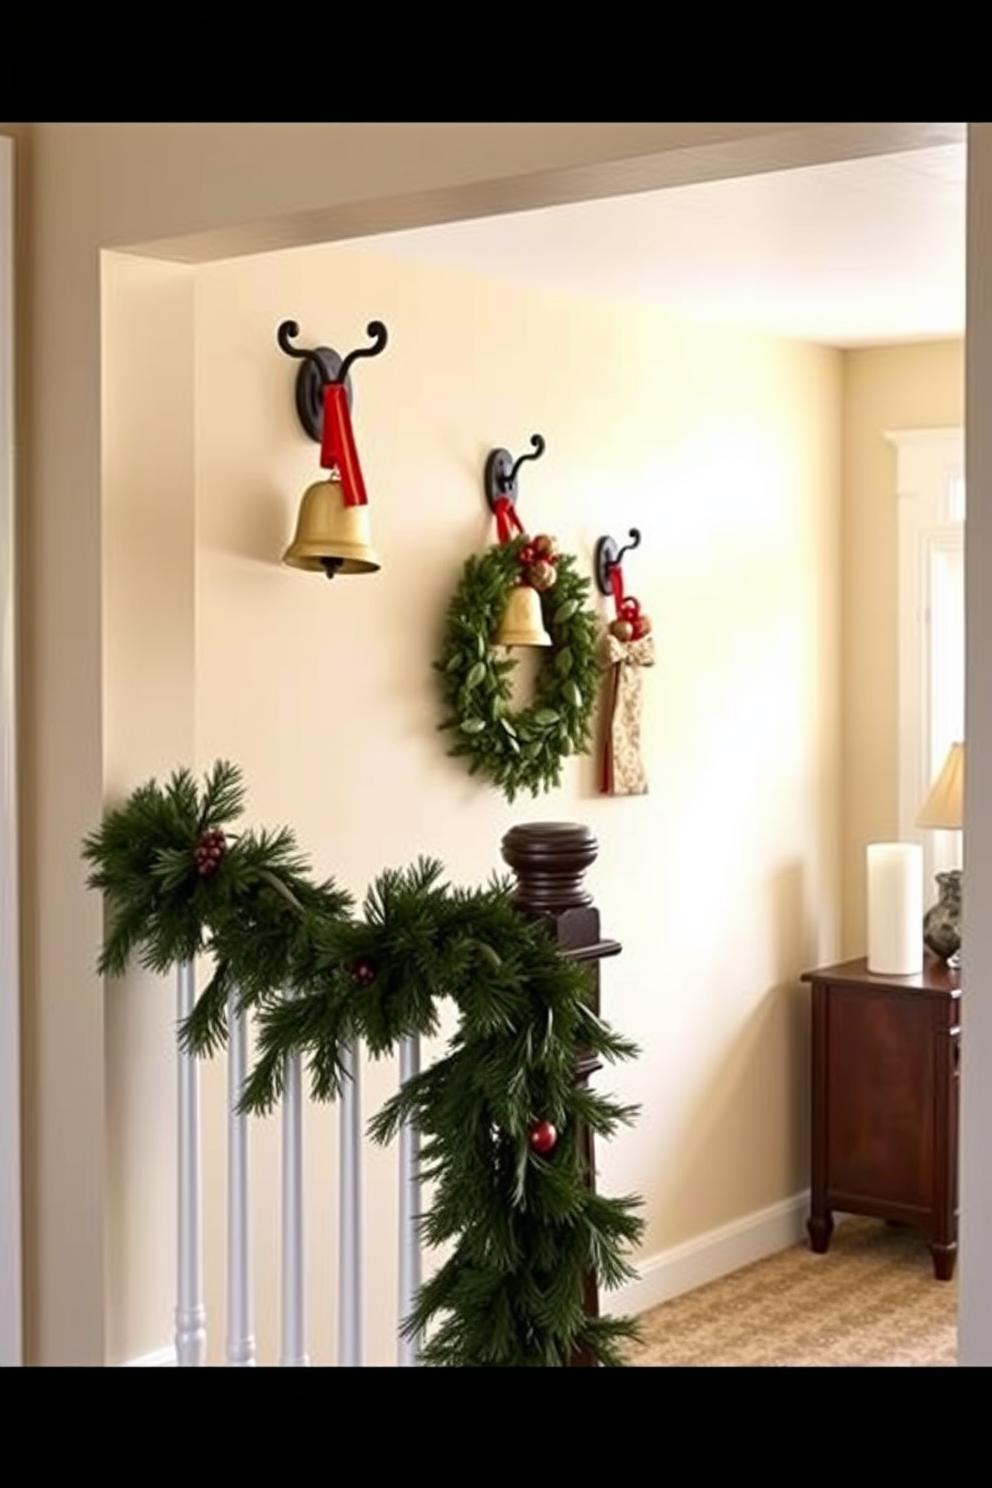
point(885, 1078)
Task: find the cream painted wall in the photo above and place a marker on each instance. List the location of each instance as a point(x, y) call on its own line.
point(891, 387)
point(149, 612)
point(82, 188)
point(724, 449)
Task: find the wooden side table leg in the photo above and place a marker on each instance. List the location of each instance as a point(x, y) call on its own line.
point(820, 1226)
point(945, 1255)
point(820, 1223)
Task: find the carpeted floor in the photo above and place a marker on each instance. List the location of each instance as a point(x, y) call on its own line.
point(871, 1300)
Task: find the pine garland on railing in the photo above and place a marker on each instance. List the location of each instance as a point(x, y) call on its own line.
point(500, 1114)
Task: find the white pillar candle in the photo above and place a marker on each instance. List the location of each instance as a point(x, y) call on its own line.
point(895, 908)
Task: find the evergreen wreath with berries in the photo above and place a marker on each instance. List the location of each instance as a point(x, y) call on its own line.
point(523, 749)
point(500, 1114)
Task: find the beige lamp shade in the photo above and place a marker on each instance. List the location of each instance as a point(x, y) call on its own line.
point(944, 806)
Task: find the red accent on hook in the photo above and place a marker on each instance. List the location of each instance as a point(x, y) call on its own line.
point(338, 444)
point(506, 519)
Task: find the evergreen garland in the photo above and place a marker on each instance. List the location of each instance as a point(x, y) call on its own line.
point(499, 1114)
point(179, 883)
point(520, 750)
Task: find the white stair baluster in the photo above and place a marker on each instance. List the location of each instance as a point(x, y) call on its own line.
point(409, 1164)
point(240, 1339)
point(191, 1332)
point(350, 1268)
point(294, 1345)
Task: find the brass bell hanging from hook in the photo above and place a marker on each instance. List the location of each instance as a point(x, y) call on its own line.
point(331, 536)
point(523, 622)
point(332, 529)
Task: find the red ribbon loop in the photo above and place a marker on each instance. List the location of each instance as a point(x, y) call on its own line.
point(506, 519)
point(337, 446)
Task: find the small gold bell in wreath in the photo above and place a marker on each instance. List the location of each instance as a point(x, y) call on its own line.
point(523, 622)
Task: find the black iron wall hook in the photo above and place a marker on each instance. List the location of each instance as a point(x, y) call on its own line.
point(609, 556)
point(500, 478)
point(321, 365)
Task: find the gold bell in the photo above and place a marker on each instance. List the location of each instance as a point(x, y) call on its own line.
point(523, 622)
point(330, 536)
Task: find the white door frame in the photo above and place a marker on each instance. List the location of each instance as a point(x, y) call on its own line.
point(10, 1097)
point(928, 462)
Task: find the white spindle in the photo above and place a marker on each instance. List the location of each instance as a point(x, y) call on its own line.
point(240, 1339)
point(350, 1270)
point(191, 1332)
point(294, 1343)
point(191, 1335)
point(407, 1353)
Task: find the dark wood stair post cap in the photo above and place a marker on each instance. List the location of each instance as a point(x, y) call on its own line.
point(549, 860)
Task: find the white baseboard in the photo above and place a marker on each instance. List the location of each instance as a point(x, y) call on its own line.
point(161, 1358)
point(717, 1253)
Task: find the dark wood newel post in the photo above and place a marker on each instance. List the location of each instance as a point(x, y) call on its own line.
point(549, 861)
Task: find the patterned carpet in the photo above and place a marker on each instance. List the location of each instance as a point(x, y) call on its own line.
point(872, 1300)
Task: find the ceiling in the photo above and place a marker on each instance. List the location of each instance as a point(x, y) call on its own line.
point(853, 253)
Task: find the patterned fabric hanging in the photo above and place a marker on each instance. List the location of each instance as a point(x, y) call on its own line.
point(624, 650)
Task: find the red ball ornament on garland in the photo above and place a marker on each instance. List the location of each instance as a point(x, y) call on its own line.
point(363, 972)
point(543, 1137)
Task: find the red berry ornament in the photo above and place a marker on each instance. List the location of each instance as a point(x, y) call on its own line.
point(363, 972)
point(208, 851)
point(543, 1137)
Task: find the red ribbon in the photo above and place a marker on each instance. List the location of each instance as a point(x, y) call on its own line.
point(338, 444)
point(626, 606)
point(616, 584)
point(506, 519)
point(606, 779)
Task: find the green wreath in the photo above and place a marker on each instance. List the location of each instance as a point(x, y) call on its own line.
point(521, 750)
point(500, 1114)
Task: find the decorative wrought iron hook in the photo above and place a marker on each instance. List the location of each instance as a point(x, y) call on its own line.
point(538, 446)
point(634, 533)
point(609, 556)
point(380, 336)
point(500, 478)
point(285, 334)
point(321, 365)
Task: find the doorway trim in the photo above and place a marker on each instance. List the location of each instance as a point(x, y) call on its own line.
point(10, 1100)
